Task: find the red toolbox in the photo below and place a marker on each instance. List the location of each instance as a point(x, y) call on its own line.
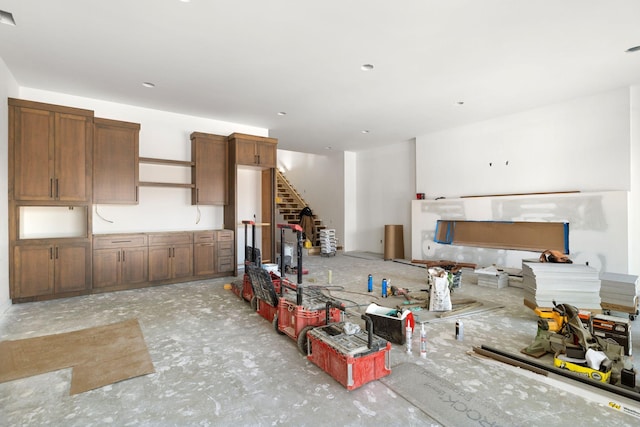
point(300, 309)
point(351, 359)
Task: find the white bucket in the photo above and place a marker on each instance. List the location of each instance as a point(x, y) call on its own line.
point(271, 268)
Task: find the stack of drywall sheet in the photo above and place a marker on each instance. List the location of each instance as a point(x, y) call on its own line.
point(619, 290)
point(328, 243)
point(491, 277)
point(575, 284)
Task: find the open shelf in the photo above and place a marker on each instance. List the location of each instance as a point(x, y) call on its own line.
point(165, 184)
point(151, 160)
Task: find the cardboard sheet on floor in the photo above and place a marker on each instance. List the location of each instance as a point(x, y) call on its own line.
point(99, 356)
point(443, 401)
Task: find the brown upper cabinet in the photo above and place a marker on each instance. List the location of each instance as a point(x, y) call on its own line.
point(115, 162)
point(209, 172)
point(51, 151)
point(253, 150)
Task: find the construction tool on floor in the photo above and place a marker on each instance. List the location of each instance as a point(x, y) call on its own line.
point(266, 291)
point(562, 333)
point(251, 257)
point(301, 308)
point(395, 291)
point(348, 354)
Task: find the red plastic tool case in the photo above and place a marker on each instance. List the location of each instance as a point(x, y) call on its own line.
point(349, 359)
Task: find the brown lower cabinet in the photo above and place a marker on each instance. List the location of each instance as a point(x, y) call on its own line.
point(120, 260)
point(170, 256)
point(225, 259)
point(57, 268)
point(204, 253)
point(51, 268)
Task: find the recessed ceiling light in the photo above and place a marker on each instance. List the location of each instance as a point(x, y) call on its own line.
point(282, 113)
point(364, 131)
point(148, 84)
point(7, 18)
point(366, 67)
point(633, 49)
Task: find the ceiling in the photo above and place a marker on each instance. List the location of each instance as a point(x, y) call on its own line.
point(437, 64)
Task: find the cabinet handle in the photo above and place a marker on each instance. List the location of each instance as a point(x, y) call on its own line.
point(169, 252)
point(258, 156)
point(197, 196)
point(56, 252)
point(51, 188)
point(174, 252)
point(136, 193)
point(123, 252)
point(57, 189)
point(118, 257)
point(50, 253)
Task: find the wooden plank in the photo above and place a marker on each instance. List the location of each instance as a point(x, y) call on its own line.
point(519, 235)
point(165, 184)
point(150, 160)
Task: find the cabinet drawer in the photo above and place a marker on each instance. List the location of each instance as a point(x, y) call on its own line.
point(225, 264)
point(203, 236)
point(225, 249)
point(170, 239)
point(224, 235)
point(119, 241)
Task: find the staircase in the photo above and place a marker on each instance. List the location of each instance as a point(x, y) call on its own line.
point(290, 203)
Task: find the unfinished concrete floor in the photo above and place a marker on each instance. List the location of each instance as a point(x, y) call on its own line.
point(219, 363)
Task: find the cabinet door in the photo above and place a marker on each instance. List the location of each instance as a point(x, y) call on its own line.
point(34, 271)
point(210, 170)
point(72, 267)
point(135, 265)
point(267, 154)
point(33, 154)
point(182, 261)
point(72, 165)
point(204, 259)
point(246, 152)
point(115, 162)
point(160, 263)
point(106, 268)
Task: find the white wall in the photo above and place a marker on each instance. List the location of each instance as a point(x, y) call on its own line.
point(577, 145)
point(350, 201)
point(584, 144)
point(319, 179)
point(385, 182)
point(8, 88)
point(634, 194)
point(598, 229)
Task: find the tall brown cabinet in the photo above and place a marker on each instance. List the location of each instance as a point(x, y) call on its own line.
point(260, 153)
point(50, 169)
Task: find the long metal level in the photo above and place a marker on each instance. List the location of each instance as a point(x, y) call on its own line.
point(534, 366)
